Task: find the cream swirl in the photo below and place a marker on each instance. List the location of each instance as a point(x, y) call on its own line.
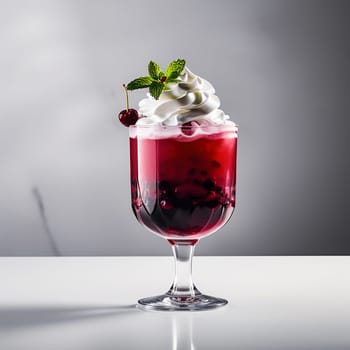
point(190, 99)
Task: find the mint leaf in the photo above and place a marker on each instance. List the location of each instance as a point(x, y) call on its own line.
point(175, 68)
point(156, 89)
point(139, 83)
point(153, 70)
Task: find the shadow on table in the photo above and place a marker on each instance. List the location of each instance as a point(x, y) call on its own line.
point(177, 328)
point(14, 317)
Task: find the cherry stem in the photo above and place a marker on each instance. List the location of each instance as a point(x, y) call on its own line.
point(127, 97)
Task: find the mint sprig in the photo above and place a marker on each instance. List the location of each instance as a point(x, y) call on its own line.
point(157, 80)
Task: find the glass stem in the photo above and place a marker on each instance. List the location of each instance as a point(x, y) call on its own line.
point(183, 286)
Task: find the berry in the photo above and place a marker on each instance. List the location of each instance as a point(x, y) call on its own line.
point(128, 116)
point(166, 205)
point(189, 190)
point(213, 204)
point(212, 200)
point(164, 185)
point(215, 164)
point(192, 171)
point(209, 184)
point(189, 128)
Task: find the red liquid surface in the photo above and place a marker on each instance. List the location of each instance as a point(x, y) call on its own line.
point(181, 189)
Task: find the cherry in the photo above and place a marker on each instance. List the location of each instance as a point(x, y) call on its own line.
point(128, 116)
point(188, 128)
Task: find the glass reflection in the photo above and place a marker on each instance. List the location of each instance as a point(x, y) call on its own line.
point(182, 331)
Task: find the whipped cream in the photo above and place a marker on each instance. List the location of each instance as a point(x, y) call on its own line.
point(192, 99)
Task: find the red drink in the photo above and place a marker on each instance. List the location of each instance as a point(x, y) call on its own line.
point(183, 184)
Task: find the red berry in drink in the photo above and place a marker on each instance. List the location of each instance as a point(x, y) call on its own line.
point(189, 128)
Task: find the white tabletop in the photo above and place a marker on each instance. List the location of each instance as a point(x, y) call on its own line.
point(89, 303)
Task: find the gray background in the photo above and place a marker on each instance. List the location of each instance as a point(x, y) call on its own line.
point(281, 69)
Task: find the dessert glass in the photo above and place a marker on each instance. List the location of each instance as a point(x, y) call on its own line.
point(183, 189)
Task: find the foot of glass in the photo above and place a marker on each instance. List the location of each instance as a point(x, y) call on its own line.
point(167, 302)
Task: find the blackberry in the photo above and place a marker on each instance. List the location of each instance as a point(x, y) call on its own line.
point(209, 184)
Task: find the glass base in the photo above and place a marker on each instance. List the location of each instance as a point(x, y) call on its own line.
point(168, 302)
